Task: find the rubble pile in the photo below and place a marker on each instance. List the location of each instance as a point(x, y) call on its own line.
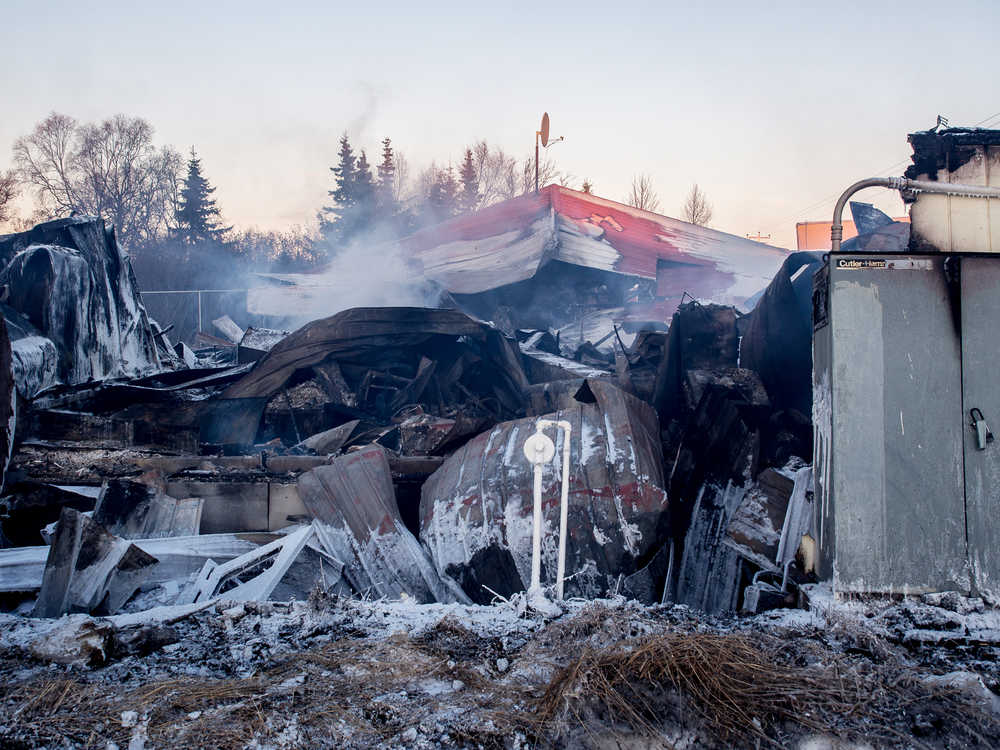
point(731, 459)
point(369, 363)
point(381, 446)
point(241, 501)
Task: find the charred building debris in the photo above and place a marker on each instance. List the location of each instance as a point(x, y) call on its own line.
point(72, 307)
point(378, 453)
point(392, 434)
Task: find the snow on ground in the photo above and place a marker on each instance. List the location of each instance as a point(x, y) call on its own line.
point(350, 673)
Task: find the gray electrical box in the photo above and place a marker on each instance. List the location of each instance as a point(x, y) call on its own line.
point(906, 358)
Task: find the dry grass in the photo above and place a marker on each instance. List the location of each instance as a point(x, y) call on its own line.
point(595, 625)
point(736, 690)
point(741, 690)
point(89, 714)
point(35, 706)
point(450, 639)
point(338, 700)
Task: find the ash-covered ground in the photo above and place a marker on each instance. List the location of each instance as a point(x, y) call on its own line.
point(344, 673)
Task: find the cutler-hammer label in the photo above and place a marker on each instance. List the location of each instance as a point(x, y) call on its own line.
point(889, 264)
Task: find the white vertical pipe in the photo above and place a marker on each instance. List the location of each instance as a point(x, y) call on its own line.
point(563, 510)
point(539, 450)
point(536, 536)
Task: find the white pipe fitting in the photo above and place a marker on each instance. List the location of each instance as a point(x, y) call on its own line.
point(539, 450)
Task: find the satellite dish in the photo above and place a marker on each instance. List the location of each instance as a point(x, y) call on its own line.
point(545, 129)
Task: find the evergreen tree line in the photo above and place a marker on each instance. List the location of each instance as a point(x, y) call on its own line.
point(166, 215)
point(368, 204)
point(198, 250)
point(381, 204)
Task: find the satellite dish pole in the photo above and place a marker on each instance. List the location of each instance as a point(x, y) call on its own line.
point(544, 135)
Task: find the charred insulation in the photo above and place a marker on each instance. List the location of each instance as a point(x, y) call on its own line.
point(934, 150)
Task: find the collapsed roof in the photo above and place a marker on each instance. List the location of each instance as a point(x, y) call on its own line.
point(510, 241)
point(527, 246)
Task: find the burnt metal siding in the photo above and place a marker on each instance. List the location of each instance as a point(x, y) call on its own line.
point(981, 389)
point(358, 523)
point(502, 244)
point(642, 238)
point(893, 493)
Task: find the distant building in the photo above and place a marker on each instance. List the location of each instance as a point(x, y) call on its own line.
point(815, 235)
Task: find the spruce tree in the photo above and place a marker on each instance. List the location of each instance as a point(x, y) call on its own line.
point(197, 216)
point(364, 192)
point(386, 189)
point(468, 198)
point(337, 220)
point(443, 197)
point(345, 175)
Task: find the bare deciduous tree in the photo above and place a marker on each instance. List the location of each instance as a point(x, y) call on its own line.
point(496, 173)
point(501, 177)
point(400, 176)
point(566, 180)
point(697, 209)
point(8, 192)
point(44, 160)
point(295, 247)
point(109, 169)
point(425, 182)
point(548, 173)
point(642, 195)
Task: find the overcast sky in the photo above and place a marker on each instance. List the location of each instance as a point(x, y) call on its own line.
point(773, 108)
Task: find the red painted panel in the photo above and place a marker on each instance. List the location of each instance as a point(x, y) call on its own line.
point(491, 221)
point(639, 239)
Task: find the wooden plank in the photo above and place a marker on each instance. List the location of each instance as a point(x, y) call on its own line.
point(331, 378)
point(411, 393)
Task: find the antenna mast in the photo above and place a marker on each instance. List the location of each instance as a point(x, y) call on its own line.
point(544, 135)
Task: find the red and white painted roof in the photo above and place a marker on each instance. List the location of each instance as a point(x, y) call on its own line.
point(510, 241)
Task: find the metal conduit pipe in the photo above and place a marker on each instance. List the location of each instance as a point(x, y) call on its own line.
point(901, 184)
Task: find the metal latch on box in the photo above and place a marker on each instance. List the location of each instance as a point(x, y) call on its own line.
point(983, 435)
